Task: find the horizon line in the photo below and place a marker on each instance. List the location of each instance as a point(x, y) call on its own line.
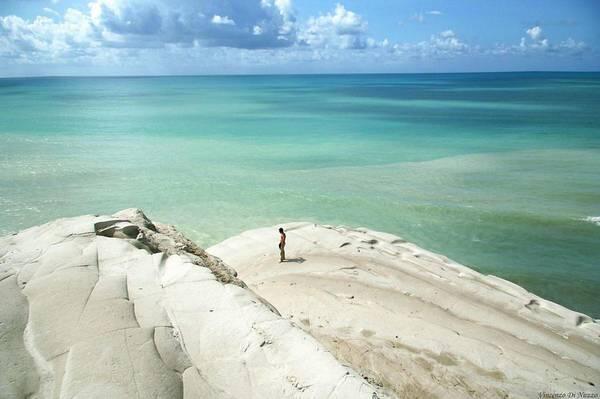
point(291, 74)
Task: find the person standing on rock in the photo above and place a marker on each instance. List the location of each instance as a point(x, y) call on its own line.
point(281, 245)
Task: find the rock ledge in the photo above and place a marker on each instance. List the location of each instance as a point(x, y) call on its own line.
point(121, 307)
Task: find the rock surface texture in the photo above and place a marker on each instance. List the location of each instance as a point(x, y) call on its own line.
point(118, 307)
point(417, 323)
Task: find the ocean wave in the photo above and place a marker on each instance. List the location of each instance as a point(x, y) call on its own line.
point(592, 219)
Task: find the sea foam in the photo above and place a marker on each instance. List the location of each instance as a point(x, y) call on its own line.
point(592, 219)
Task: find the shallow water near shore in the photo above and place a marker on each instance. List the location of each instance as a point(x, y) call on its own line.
point(500, 172)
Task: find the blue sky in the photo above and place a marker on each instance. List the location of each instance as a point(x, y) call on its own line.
point(150, 37)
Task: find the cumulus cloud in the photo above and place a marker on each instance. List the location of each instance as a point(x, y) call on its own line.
point(443, 44)
point(154, 23)
point(126, 17)
point(535, 32)
point(240, 32)
point(219, 20)
point(572, 46)
point(202, 22)
point(45, 38)
point(535, 41)
point(341, 28)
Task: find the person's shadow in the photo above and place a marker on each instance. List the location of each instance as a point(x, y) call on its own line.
point(295, 260)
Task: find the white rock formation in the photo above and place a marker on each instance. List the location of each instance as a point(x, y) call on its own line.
point(416, 322)
point(117, 307)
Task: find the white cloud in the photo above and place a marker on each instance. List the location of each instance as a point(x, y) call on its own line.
point(536, 42)
point(341, 28)
point(157, 23)
point(132, 25)
point(572, 46)
point(219, 20)
point(535, 32)
point(444, 44)
point(284, 6)
point(536, 39)
point(43, 38)
point(243, 32)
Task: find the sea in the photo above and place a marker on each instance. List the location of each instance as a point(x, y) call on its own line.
point(498, 171)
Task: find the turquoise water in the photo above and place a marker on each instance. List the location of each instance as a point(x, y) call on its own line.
point(497, 171)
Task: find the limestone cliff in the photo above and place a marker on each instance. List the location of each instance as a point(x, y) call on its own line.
point(120, 307)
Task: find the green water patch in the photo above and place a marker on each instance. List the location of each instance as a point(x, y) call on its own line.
point(497, 171)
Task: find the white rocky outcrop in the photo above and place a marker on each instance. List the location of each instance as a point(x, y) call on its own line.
point(119, 307)
point(415, 322)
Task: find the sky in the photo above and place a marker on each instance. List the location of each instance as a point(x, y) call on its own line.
point(189, 37)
